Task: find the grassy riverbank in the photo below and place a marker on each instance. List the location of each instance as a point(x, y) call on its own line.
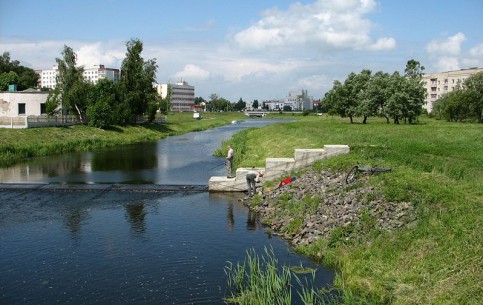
point(18, 144)
point(438, 166)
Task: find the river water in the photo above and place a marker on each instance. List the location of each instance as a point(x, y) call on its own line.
point(93, 245)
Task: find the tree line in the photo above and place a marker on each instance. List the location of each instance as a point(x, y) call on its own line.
point(392, 96)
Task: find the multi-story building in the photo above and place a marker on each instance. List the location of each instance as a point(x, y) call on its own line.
point(182, 95)
point(296, 100)
point(48, 78)
point(437, 84)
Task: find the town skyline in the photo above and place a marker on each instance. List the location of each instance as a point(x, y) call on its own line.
point(250, 49)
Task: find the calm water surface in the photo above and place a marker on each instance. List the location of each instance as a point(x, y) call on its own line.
point(128, 247)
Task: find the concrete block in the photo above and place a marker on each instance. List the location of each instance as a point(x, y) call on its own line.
point(221, 184)
point(305, 157)
point(336, 150)
point(277, 167)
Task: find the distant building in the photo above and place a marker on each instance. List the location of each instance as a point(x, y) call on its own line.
point(437, 84)
point(182, 95)
point(48, 78)
point(296, 100)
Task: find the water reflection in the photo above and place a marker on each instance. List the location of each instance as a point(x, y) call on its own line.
point(136, 215)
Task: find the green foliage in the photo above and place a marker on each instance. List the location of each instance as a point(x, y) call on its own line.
point(240, 105)
point(6, 79)
point(137, 79)
point(366, 95)
point(465, 102)
point(100, 113)
point(71, 83)
point(218, 104)
point(26, 77)
point(53, 102)
point(261, 280)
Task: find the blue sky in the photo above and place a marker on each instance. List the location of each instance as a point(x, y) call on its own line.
point(250, 49)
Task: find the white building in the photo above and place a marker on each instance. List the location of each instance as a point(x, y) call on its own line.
point(182, 95)
point(25, 103)
point(48, 78)
point(437, 84)
point(296, 100)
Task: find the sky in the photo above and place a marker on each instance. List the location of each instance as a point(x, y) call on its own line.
point(249, 49)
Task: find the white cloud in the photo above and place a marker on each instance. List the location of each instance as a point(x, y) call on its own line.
point(448, 46)
point(477, 51)
point(99, 53)
point(314, 83)
point(445, 53)
point(323, 25)
point(447, 63)
point(193, 72)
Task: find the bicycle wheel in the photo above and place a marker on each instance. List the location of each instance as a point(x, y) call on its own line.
point(351, 176)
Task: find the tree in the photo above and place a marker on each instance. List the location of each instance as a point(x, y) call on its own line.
point(100, 112)
point(255, 104)
point(378, 92)
point(26, 77)
point(6, 79)
point(53, 102)
point(361, 96)
point(474, 94)
point(137, 78)
point(240, 105)
point(72, 85)
point(165, 103)
point(413, 69)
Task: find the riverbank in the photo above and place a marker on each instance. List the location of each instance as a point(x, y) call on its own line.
point(411, 236)
point(18, 144)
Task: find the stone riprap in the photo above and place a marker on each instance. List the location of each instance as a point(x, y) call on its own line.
point(337, 206)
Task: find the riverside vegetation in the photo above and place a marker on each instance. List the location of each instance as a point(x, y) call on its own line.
point(19, 144)
point(434, 256)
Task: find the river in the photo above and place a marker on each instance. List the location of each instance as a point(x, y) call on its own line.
point(98, 245)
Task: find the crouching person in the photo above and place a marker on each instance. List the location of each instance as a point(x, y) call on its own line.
point(252, 178)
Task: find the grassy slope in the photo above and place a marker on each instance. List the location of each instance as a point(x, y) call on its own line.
point(16, 144)
point(437, 165)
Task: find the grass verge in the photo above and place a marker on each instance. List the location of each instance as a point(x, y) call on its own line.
point(438, 166)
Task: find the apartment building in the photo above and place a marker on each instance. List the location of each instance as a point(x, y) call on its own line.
point(182, 95)
point(48, 78)
point(437, 84)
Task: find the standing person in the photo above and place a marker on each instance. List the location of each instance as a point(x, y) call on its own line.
point(252, 178)
point(229, 162)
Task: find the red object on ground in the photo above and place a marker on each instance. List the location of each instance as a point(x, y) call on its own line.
point(287, 181)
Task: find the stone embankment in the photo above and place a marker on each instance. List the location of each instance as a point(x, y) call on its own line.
point(333, 204)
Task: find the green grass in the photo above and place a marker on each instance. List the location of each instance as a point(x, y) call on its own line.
point(438, 166)
point(18, 144)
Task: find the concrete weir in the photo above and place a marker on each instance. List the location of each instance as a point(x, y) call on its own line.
point(276, 167)
point(104, 187)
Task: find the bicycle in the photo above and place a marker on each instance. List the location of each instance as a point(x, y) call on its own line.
point(356, 170)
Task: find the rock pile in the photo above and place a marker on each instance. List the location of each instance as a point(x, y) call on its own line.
point(322, 202)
